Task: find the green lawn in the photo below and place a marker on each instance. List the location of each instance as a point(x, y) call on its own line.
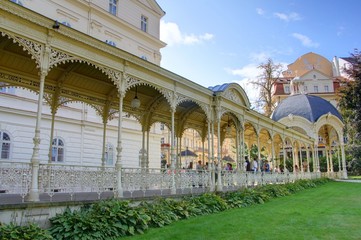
point(330, 211)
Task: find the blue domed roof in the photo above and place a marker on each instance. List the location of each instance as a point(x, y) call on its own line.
point(219, 88)
point(303, 105)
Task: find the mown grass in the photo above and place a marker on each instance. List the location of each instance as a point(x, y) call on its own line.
point(330, 211)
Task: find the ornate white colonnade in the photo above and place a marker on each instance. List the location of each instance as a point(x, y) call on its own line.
point(63, 65)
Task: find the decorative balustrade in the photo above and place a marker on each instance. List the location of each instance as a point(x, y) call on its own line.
point(15, 178)
point(73, 179)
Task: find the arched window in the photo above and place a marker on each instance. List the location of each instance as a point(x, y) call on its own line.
point(57, 154)
point(109, 154)
point(5, 145)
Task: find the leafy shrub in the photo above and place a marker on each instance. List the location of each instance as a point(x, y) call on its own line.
point(233, 199)
point(112, 219)
point(306, 184)
point(182, 208)
point(127, 219)
point(28, 232)
point(248, 197)
point(275, 190)
point(209, 203)
point(260, 196)
point(321, 181)
point(293, 187)
point(160, 214)
point(103, 220)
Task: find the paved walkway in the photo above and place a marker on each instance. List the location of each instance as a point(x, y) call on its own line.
point(348, 180)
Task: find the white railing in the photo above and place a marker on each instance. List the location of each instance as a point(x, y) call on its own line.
point(72, 178)
point(75, 179)
point(15, 178)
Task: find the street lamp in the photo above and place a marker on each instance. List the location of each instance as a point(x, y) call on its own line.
point(135, 103)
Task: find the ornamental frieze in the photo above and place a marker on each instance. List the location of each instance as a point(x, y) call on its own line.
point(232, 95)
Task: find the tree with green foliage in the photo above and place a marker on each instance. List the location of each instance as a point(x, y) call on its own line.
point(266, 81)
point(350, 106)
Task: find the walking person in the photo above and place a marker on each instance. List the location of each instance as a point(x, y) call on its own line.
point(248, 165)
point(266, 166)
point(199, 166)
point(255, 165)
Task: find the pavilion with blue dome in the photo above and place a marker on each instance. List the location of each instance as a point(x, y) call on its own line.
point(319, 119)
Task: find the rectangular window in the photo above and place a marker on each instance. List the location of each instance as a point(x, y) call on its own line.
point(54, 154)
point(305, 89)
point(315, 89)
point(162, 126)
point(113, 7)
point(57, 154)
point(144, 23)
point(61, 155)
point(162, 140)
point(326, 88)
point(287, 89)
point(5, 151)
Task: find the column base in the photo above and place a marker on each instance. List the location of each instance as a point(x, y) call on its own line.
point(33, 196)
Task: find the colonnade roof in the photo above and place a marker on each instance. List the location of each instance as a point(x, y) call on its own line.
point(81, 68)
point(244, 100)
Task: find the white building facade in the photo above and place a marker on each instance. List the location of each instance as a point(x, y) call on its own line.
point(131, 25)
point(78, 131)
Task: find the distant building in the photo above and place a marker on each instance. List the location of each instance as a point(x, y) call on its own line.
point(311, 74)
point(306, 101)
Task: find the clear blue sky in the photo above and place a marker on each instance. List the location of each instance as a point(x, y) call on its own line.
point(213, 42)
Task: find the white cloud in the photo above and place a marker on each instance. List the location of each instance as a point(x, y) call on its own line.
point(249, 71)
point(288, 17)
point(260, 57)
point(306, 41)
point(247, 74)
point(172, 35)
point(260, 11)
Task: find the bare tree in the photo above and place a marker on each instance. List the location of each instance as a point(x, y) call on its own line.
point(266, 81)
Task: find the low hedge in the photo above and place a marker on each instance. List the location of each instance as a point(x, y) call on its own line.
point(111, 219)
